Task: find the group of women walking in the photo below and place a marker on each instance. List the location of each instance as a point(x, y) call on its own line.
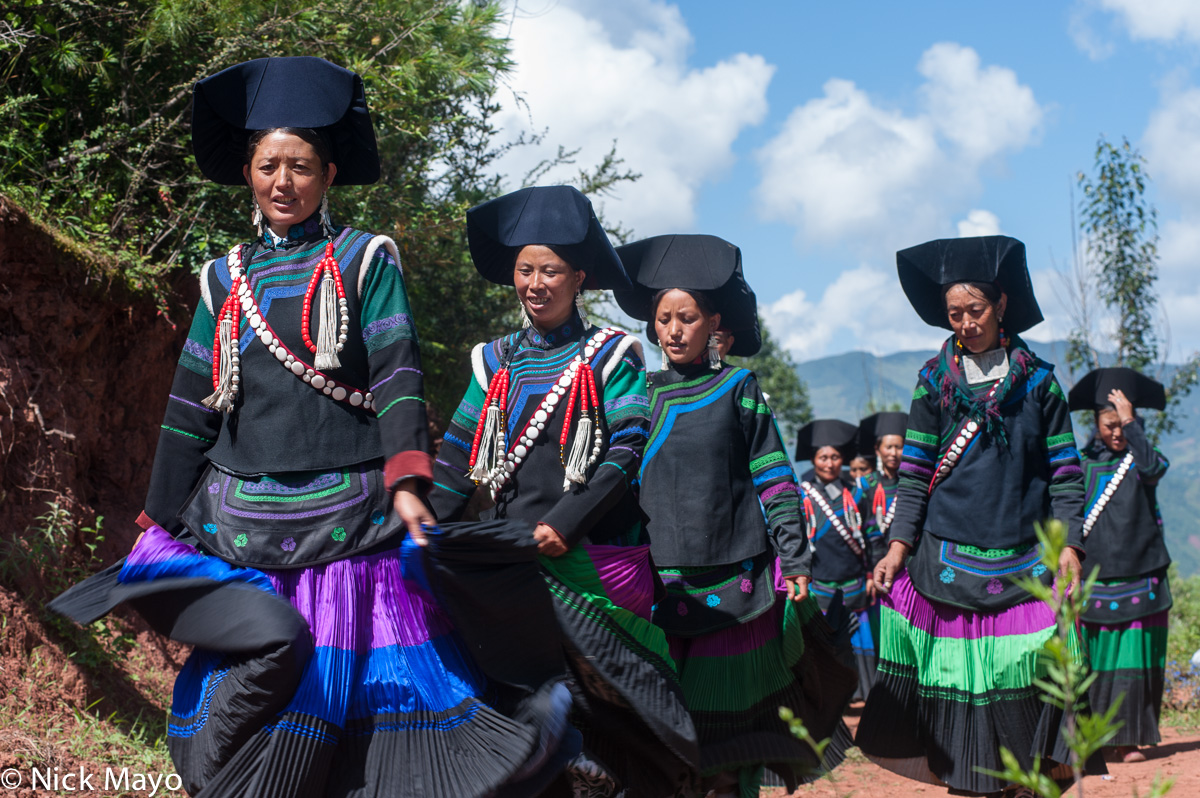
point(649, 582)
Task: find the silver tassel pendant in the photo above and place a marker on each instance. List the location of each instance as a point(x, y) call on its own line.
point(255, 213)
point(326, 219)
point(666, 362)
point(222, 398)
point(490, 444)
point(577, 461)
point(327, 336)
point(525, 322)
point(714, 352)
point(581, 310)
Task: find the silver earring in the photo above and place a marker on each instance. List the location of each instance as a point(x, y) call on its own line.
point(581, 310)
point(714, 352)
point(525, 322)
point(255, 212)
point(326, 220)
point(666, 363)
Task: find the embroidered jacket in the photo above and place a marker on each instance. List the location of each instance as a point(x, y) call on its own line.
point(1127, 538)
point(997, 490)
point(833, 560)
point(714, 454)
point(281, 424)
point(604, 509)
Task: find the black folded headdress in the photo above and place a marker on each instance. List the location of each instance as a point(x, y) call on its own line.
point(301, 92)
point(702, 263)
point(826, 432)
point(556, 216)
point(874, 427)
point(927, 268)
point(1091, 392)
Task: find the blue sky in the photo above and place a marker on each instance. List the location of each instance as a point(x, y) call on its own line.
point(821, 137)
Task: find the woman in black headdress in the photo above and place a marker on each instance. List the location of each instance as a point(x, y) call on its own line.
point(553, 425)
point(989, 452)
point(725, 527)
point(846, 545)
point(291, 465)
point(1125, 623)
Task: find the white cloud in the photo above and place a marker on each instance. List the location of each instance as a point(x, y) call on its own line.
point(979, 223)
point(1172, 147)
point(1085, 36)
point(865, 306)
point(845, 168)
point(1157, 20)
point(1172, 144)
point(591, 72)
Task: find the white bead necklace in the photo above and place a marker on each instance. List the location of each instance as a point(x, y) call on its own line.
point(255, 318)
point(1109, 490)
point(503, 472)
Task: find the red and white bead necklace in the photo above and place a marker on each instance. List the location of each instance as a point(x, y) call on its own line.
point(240, 302)
point(494, 472)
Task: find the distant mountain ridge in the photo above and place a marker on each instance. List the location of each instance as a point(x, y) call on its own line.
point(844, 386)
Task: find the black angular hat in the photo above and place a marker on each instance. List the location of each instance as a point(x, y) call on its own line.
point(874, 427)
point(826, 432)
point(925, 269)
point(1092, 390)
point(301, 91)
point(557, 216)
point(697, 263)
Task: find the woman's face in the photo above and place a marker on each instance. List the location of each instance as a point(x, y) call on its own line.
point(859, 467)
point(888, 449)
point(1111, 431)
point(682, 327)
point(828, 463)
point(974, 319)
point(546, 285)
point(288, 180)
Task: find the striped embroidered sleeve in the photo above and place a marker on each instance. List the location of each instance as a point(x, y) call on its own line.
point(189, 429)
point(394, 361)
point(917, 463)
point(1151, 463)
point(452, 488)
point(775, 481)
point(1062, 458)
point(626, 414)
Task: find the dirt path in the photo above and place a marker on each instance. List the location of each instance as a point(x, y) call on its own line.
point(1178, 755)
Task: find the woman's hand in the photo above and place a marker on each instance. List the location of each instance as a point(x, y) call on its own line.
point(797, 587)
point(1122, 405)
point(1068, 563)
point(412, 510)
point(550, 543)
point(872, 590)
point(887, 568)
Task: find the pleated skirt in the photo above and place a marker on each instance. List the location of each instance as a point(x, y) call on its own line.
point(1129, 660)
point(736, 679)
point(954, 686)
point(380, 699)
